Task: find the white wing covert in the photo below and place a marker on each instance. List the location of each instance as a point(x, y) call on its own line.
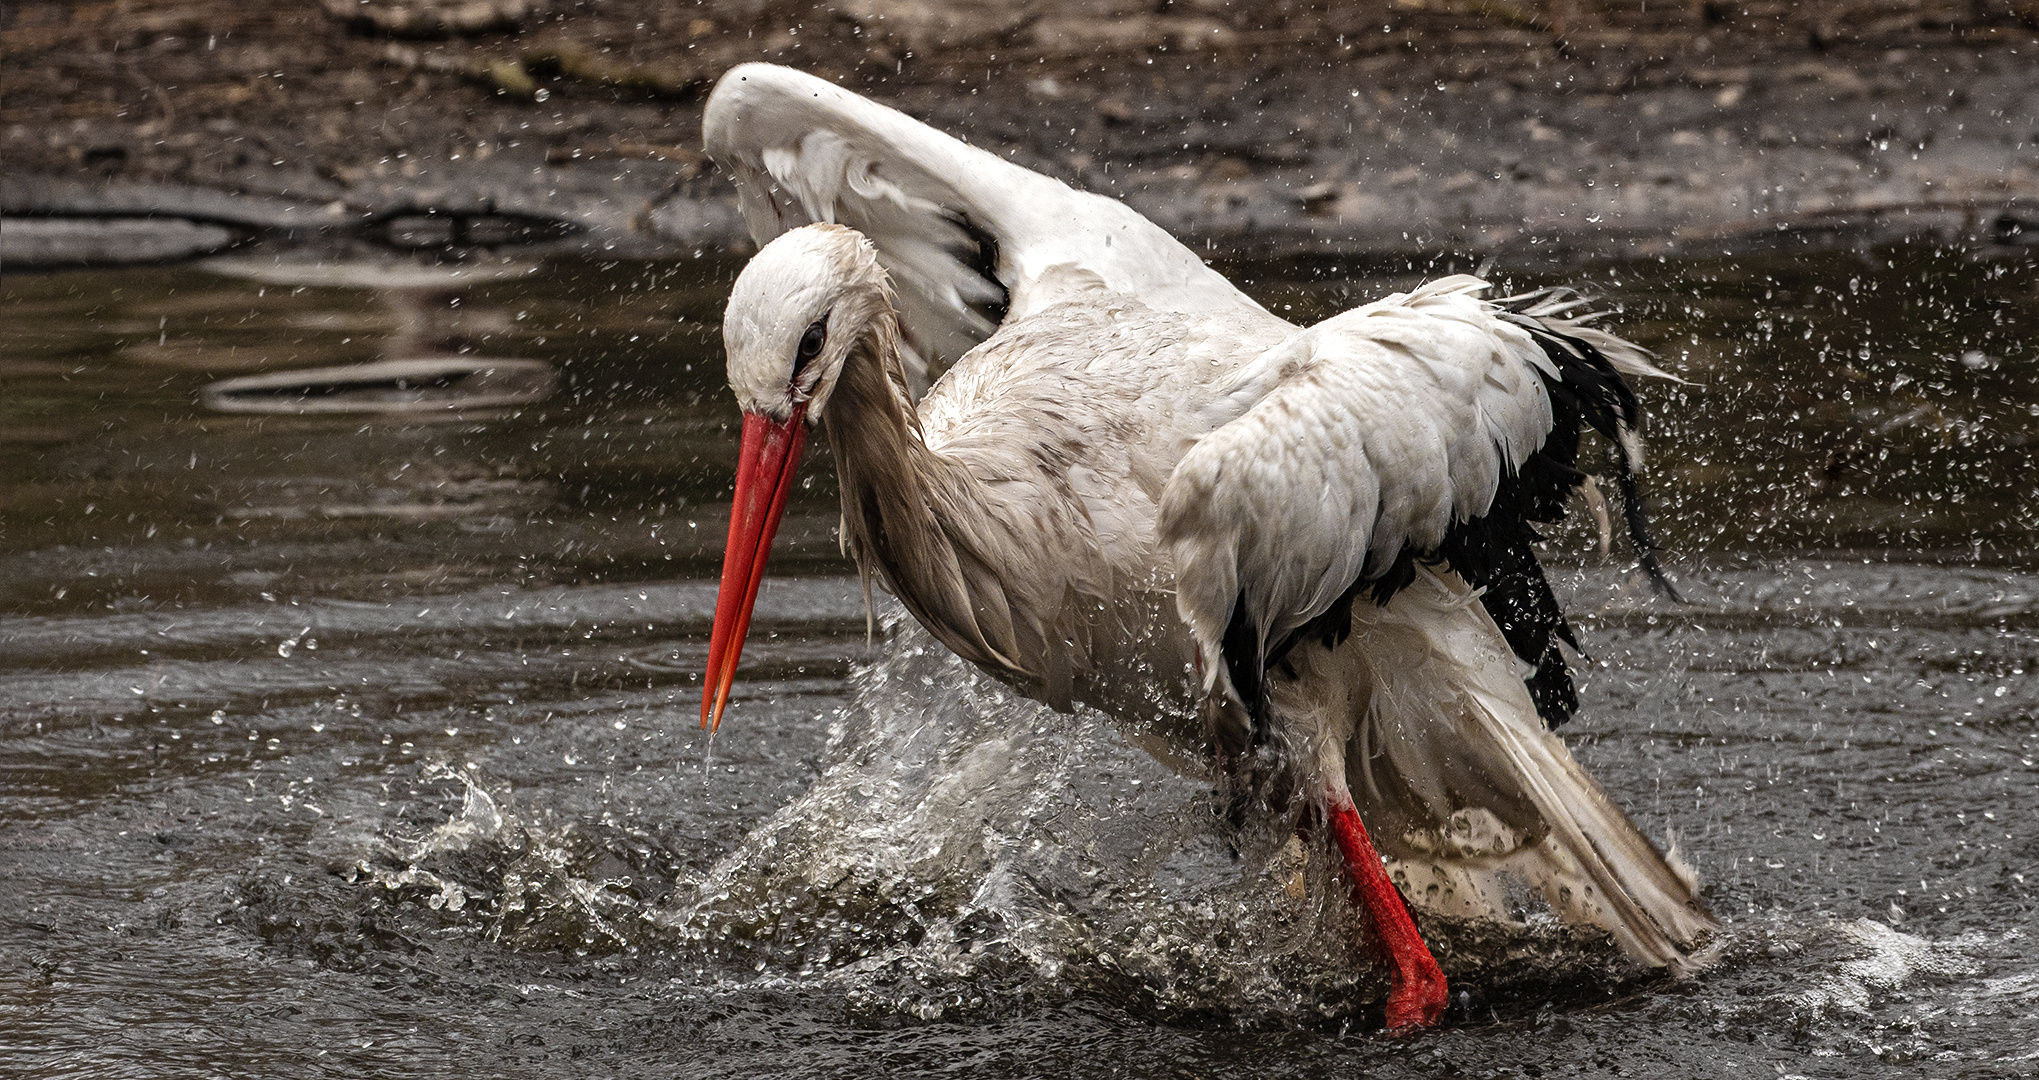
point(965, 235)
point(1329, 455)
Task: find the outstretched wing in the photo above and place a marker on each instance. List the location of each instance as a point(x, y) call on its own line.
point(965, 235)
point(1428, 426)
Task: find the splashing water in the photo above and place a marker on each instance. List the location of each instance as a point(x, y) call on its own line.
point(963, 843)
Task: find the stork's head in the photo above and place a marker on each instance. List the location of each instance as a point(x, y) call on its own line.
point(798, 311)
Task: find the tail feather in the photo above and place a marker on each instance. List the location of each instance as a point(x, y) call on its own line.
point(1462, 785)
point(1593, 865)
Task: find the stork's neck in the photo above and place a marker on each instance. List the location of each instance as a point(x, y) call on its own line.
point(908, 512)
point(884, 467)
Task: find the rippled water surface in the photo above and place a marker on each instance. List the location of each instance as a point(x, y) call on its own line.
point(356, 745)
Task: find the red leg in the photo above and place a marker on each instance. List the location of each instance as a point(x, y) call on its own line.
point(1416, 994)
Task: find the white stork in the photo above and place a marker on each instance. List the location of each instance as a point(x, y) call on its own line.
point(1300, 554)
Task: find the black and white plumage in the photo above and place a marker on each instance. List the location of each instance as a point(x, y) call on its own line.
point(1492, 545)
point(1134, 488)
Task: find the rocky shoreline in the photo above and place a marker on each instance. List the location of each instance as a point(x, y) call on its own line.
point(157, 131)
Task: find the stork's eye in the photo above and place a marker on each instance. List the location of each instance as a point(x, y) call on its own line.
point(810, 343)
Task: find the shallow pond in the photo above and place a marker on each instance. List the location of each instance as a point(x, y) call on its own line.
point(356, 745)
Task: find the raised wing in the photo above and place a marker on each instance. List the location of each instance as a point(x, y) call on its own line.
point(1428, 426)
point(965, 235)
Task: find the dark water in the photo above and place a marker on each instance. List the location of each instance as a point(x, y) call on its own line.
point(355, 746)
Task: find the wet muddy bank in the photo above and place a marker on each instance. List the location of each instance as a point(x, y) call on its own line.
point(1413, 129)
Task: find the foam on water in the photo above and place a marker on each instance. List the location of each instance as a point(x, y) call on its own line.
point(1884, 960)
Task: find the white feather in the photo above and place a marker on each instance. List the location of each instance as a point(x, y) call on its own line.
point(1372, 431)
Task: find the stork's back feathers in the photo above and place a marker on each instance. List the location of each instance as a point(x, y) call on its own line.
point(1444, 429)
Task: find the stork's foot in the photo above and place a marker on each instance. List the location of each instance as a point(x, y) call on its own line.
point(1417, 992)
point(1417, 996)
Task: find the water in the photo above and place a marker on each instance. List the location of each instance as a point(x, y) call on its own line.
point(344, 745)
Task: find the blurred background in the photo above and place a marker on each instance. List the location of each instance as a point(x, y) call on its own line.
point(1268, 127)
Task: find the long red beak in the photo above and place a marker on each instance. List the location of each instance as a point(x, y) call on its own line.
point(764, 474)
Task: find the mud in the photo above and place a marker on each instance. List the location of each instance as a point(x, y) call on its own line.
point(1536, 132)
